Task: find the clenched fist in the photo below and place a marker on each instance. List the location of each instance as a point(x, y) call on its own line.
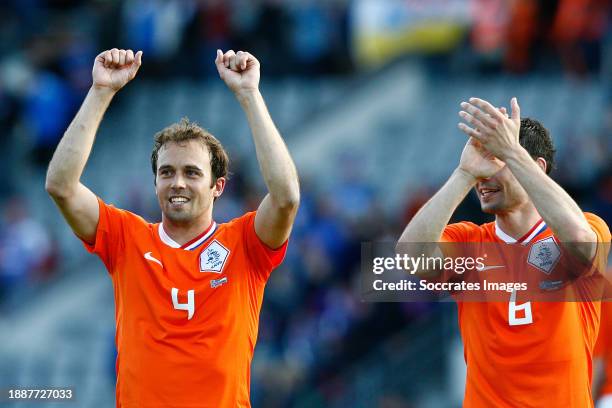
point(239, 70)
point(114, 68)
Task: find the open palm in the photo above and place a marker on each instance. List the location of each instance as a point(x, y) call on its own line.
point(478, 162)
point(115, 68)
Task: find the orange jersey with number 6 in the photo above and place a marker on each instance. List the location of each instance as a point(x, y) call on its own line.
point(521, 353)
point(187, 316)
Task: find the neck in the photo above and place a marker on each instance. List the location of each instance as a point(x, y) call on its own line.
point(518, 221)
point(182, 233)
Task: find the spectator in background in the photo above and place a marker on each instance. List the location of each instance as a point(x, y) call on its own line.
point(48, 88)
point(522, 32)
point(353, 197)
point(311, 28)
point(208, 30)
point(579, 28)
point(489, 30)
point(8, 113)
point(270, 37)
point(157, 28)
point(47, 111)
point(26, 250)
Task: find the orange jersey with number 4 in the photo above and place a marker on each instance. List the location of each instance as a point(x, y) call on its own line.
point(521, 353)
point(187, 316)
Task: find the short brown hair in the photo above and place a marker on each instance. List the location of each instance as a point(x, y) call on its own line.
point(535, 138)
point(185, 131)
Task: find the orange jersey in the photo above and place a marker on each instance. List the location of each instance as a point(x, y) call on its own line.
point(187, 316)
point(527, 354)
point(603, 347)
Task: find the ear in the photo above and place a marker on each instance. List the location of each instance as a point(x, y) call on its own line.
point(219, 187)
point(542, 163)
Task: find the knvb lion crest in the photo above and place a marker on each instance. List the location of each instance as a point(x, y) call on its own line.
point(213, 257)
point(544, 255)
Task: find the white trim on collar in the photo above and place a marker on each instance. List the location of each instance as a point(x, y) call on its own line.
point(539, 227)
point(503, 236)
point(211, 231)
point(166, 238)
point(172, 243)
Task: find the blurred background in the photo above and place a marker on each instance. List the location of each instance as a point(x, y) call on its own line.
point(366, 94)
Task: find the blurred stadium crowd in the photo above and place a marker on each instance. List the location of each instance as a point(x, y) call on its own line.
point(313, 324)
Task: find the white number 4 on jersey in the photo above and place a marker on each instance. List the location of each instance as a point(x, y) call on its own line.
point(189, 306)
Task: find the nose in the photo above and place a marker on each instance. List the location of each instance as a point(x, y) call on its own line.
point(178, 181)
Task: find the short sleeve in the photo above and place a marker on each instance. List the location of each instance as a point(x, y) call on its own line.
point(599, 226)
point(264, 258)
point(459, 232)
point(109, 239)
point(602, 231)
point(452, 245)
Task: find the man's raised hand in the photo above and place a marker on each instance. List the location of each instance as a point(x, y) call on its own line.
point(239, 70)
point(113, 69)
point(477, 162)
point(496, 132)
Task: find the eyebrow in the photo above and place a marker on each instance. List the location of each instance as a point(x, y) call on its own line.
point(188, 167)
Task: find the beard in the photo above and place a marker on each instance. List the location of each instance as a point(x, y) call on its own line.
point(508, 201)
point(179, 216)
point(490, 209)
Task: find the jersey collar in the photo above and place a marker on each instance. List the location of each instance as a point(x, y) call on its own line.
point(525, 239)
point(188, 246)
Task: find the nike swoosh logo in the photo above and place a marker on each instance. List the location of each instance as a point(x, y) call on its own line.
point(150, 257)
point(486, 268)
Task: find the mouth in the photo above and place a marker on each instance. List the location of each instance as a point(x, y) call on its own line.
point(178, 201)
point(487, 193)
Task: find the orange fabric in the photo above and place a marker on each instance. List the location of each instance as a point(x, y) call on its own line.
point(166, 359)
point(543, 363)
point(580, 20)
point(603, 348)
point(490, 25)
point(521, 34)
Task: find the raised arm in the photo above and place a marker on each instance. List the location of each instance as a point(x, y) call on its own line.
point(429, 222)
point(111, 71)
point(499, 134)
point(276, 213)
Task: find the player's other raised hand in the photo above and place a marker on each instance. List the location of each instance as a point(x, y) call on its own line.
point(114, 68)
point(239, 70)
point(492, 127)
point(478, 162)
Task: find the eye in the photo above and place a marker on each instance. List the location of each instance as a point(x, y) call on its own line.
point(164, 172)
point(192, 173)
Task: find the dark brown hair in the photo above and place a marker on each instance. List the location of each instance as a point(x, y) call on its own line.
point(536, 139)
point(184, 131)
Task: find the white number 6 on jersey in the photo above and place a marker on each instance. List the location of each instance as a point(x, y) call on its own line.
point(513, 308)
point(189, 306)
